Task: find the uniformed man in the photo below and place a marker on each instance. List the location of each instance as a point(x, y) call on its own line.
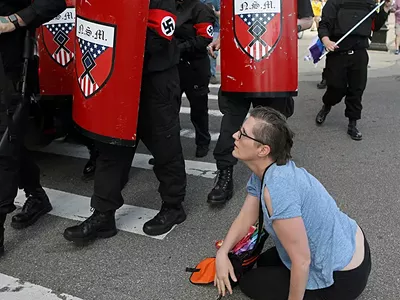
point(234, 112)
point(347, 63)
point(158, 128)
point(194, 32)
point(17, 169)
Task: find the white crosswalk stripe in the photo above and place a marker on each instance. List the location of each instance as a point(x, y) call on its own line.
point(14, 289)
point(75, 207)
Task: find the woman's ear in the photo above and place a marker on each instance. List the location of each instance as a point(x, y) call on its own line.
point(264, 151)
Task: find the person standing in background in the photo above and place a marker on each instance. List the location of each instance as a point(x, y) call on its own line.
point(317, 9)
point(396, 10)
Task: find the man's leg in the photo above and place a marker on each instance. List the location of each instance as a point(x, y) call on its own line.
point(285, 105)
point(195, 79)
point(357, 75)
point(17, 169)
point(160, 131)
point(37, 203)
point(112, 171)
point(234, 110)
point(336, 78)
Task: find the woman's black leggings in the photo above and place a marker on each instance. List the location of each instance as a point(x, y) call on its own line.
point(271, 280)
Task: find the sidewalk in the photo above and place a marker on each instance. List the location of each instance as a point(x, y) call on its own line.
point(380, 63)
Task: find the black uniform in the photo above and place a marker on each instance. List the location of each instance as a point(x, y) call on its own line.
point(234, 110)
point(158, 128)
point(16, 167)
point(194, 32)
point(346, 67)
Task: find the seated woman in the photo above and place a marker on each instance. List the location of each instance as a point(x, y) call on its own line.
point(320, 252)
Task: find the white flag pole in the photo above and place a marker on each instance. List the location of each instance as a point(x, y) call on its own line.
point(355, 26)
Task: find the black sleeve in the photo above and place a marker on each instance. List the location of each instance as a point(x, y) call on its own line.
point(204, 19)
point(160, 34)
point(41, 11)
point(304, 9)
point(328, 19)
point(380, 19)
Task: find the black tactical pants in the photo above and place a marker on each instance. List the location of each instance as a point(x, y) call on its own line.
point(159, 129)
point(195, 77)
point(234, 110)
point(17, 169)
point(346, 76)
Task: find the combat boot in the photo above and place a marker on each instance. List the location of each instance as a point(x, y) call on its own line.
point(352, 130)
point(223, 189)
point(321, 116)
point(163, 222)
point(36, 205)
point(98, 225)
point(2, 221)
point(90, 167)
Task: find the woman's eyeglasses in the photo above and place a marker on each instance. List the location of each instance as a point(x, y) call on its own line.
point(249, 137)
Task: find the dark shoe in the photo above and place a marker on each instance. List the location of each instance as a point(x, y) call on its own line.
point(2, 221)
point(165, 220)
point(98, 225)
point(223, 189)
point(353, 131)
point(151, 161)
point(322, 84)
point(37, 205)
point(201, 151)
point(321, 116)
point(90, 167)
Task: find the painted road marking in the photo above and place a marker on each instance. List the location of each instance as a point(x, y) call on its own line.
point(195, 168)
point(76, 207)
point(15, 289)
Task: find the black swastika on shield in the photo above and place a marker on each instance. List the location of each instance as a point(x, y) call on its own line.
point(169, 26)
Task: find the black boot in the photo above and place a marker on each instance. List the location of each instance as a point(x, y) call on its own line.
point(98, 225)
point(223, 189)
point(321, 116)
point(36, 205)
point(166, 219)
point(90, 167)
point(202, 151)
point(2, 221)
point(353, 131)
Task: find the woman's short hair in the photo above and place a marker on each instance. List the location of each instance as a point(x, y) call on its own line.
point(273, 130)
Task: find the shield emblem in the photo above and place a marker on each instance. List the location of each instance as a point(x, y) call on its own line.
point(95, 53)
point(257, 26)
point(59, 35)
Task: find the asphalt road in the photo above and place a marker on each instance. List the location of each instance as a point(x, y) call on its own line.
point(363, 177)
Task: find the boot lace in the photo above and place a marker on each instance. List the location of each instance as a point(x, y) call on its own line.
point(222, 179)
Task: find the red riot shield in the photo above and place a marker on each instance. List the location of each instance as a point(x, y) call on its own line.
point(56, 52)
point(259, 48)
point(109, 47)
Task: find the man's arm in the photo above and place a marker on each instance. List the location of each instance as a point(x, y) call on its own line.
point(39, 12)
point(304, 15)
point(381, 17)
point(159, 35)
point(204, 19)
